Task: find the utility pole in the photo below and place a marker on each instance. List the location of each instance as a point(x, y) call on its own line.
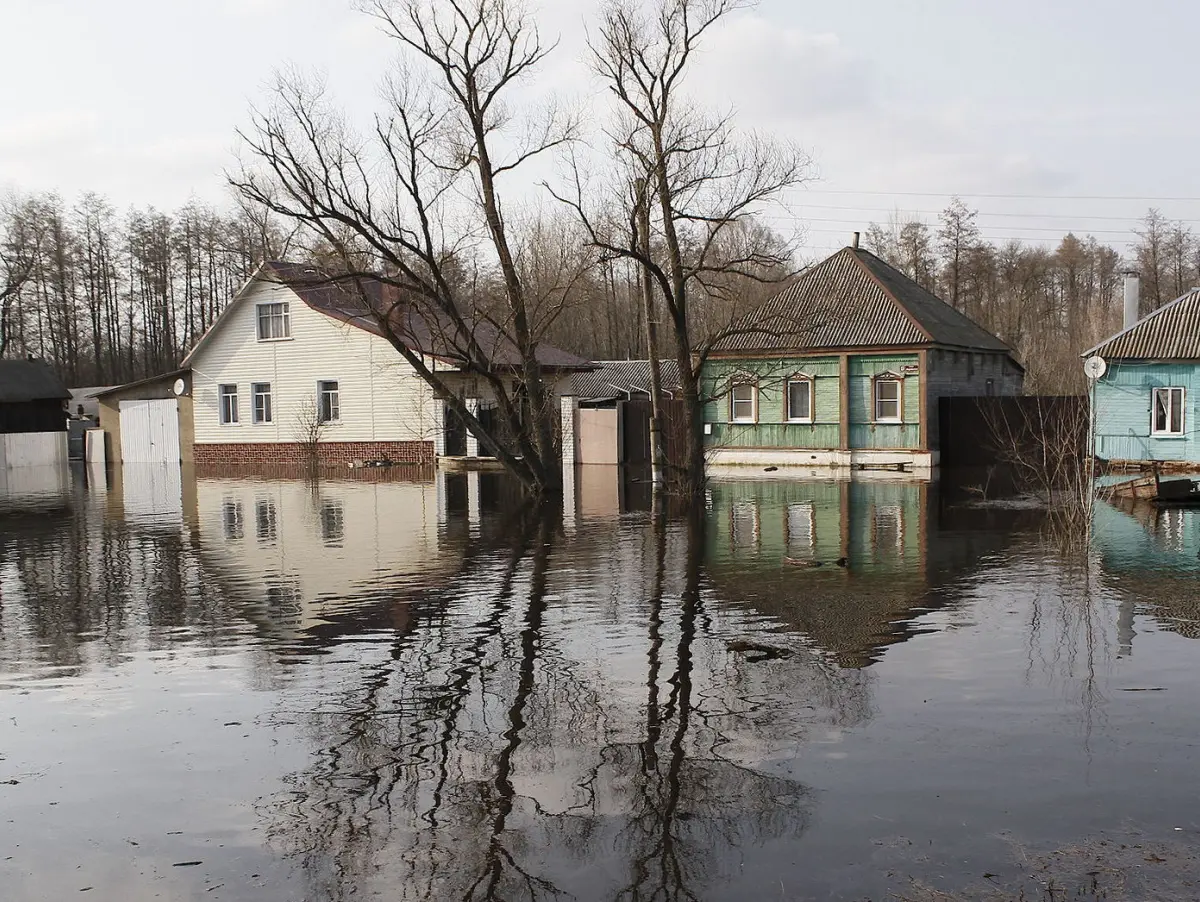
point(658, 456)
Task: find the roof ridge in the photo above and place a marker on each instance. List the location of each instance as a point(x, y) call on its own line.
point(891, 295)
point(1191, 292)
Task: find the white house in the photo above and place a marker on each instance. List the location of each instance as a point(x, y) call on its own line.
point(295, 359)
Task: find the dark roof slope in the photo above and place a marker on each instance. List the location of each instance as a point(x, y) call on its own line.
point(854, 299)
point(1172, 332)
point(29, 380)
point(423, 331)
point(616, 377)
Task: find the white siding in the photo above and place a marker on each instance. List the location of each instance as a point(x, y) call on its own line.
point(381, 397)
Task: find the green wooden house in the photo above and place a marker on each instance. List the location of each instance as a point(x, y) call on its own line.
point(844, 369)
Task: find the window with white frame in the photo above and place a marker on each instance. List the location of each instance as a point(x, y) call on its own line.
point(261, 394)
point(329, 407)
point(745, 526)
point(800, 399)
point(801, 529)
point(887, 400)
point(274, 321)
point(743, 402)
point(228, 403)
point(1168, 411)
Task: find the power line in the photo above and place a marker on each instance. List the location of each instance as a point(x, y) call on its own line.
point(999, 196)
point(1058, 231)
point(982, 213)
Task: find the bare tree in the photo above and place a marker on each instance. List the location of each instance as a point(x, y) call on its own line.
point(308, 428)
point(421, 196)
point(20, 243)
point(702, 178)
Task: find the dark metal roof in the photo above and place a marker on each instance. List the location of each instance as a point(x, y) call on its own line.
point(421, 330)
point(138, 383)
point(1172, 332)
point(22, 381)
point(612, 378)
point(855, 300)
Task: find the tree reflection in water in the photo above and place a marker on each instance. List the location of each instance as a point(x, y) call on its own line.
point(497, 754)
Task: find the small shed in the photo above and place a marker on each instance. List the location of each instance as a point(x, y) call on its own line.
point(33, 415)
point(607, 418)
point(150, 420)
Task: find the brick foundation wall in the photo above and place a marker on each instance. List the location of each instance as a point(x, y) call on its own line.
point(331, 454)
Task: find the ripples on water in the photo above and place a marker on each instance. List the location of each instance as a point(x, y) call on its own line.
point(249, 688)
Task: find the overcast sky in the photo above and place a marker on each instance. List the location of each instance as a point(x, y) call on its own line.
point(1084, 108)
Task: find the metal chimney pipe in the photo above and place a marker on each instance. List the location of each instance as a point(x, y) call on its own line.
point(854, 243)
point(1133, 298)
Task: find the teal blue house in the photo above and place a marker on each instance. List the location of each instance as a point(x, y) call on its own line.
point(844, 369)
point(1146, 401)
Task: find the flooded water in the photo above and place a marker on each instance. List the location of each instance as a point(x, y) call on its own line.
point(404, 687)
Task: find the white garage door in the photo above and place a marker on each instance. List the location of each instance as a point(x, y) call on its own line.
point(150, 431)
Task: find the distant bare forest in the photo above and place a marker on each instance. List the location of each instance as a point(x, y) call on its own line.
point(108, 297)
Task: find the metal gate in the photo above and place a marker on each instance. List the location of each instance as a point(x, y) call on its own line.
point(150, 431)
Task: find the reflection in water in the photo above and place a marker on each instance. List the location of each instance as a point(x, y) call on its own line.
point(488, 756)
point(463, 698)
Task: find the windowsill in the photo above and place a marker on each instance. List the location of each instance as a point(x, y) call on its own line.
point(264, 423)
point(1172, 435)
point(743, 422)
point(223, 425)
point(330, 423)
point(807, 422)
point(272, 340)
point(887, 422)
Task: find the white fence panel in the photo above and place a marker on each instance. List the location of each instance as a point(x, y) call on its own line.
point(33, 449)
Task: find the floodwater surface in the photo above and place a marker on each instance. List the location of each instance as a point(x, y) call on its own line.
point(407, 687)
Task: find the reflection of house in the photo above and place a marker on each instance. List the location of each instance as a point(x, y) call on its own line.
point(33, 419)
point(312, 551)
point(844, 368)
point(765, 535)
point(1146, 400)
point(296, 359)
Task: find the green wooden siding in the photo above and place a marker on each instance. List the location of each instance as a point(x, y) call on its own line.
point(772, 429)
point(756, 522)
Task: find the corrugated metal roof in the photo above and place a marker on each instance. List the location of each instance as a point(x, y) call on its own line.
point(1172, 332)
point(616, 377)
point(29, 380)
point(854, 299)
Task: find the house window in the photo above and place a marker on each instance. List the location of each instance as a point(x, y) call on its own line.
point(745, 526)
point(887, 527)
point(801, 529)
point(1168, 411)
point(799, 400)
point(887, 400)
point(333, 522)
point(328, 403)
point(261, 392)
point(274, 321)
point(228, 404)
point(231, 518)
point(265, 521)
point(743, 402)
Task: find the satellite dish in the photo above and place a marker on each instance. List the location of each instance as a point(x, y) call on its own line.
point(1095, 367)
point(179, 387)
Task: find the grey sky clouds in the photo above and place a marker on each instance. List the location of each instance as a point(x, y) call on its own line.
point(1060, 99)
